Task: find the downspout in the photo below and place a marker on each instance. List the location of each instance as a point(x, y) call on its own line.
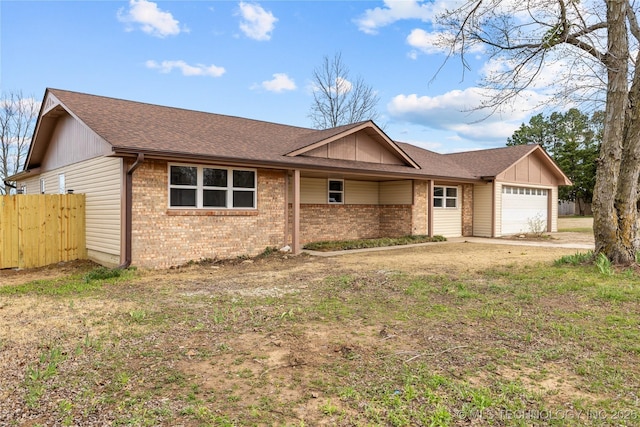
point(128, 216)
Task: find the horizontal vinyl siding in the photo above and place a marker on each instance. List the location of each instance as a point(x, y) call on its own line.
point(497, 194)
point(482, 209)
point(100, 180)
point(313, 190)
point(360, 192)
point(447, 222)
point(396, 192)
point(554, 209)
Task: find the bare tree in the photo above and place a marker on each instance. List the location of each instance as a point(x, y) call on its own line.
point(592, 46)
point(17, 119)
point(338, 100)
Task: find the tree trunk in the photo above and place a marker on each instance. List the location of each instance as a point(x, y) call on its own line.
point(609, 210)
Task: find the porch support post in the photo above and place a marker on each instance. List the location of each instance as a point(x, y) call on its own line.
point(430, 208)
point(295, 233)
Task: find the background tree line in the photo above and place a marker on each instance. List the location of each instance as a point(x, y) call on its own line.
point(17, 120)
point(573, 140)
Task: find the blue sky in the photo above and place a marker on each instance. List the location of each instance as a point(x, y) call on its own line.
point(254, 60)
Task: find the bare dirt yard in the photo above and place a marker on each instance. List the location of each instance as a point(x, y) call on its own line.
point(442, 334)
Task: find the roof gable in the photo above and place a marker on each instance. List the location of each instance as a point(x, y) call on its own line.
point(61, 138)
point(363, 142)
point(496, 162)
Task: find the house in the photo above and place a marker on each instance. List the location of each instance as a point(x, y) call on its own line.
point(165, 185)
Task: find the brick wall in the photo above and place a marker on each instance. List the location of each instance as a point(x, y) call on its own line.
point(419, 208)
point(467, 210)
point(163, 238)
point(320, 222)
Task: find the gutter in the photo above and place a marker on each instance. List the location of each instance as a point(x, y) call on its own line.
point(303, 166)
point(128, 216)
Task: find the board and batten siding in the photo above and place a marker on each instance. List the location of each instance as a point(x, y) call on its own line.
point(100, 180)
point(482, 197)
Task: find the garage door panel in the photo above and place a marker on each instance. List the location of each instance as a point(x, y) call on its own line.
point(521, 206)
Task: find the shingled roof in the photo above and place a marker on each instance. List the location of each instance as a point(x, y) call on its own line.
point(134, 127)
point(490, 162)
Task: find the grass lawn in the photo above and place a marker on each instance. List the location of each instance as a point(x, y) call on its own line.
point(348, 341)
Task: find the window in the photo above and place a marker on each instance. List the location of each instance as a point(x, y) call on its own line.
point(336, 191)
point(203, 187)
point(42, 189)
point(524, 191)
point(445, 197)
point(61, 184)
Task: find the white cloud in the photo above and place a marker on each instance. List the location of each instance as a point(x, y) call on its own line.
point(396, 10)
point(150, 18)
point(436, 42)
point(457, 111)
point(256, 22)
point(341, 86)
point(187, 70)
point(279, 83)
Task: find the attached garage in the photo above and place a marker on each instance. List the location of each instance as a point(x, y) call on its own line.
point(524, 209)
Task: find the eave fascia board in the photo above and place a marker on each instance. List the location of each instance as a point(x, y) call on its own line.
point(181, 157)
point(24, 174)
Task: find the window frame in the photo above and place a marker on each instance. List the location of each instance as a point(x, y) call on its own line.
point(200, 188)
point(329, 191)
point(62, 183)
point(445, 197)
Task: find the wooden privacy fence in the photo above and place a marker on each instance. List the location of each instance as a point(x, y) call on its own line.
point(43, 229)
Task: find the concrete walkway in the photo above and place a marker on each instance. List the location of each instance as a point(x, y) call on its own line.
point(480, 240)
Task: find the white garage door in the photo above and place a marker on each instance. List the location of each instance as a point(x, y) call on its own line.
point(523, 209)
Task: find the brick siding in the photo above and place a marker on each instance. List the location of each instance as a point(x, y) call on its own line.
point(419, 208)
point(467, 210)
point(162, 238)
point(321, 222)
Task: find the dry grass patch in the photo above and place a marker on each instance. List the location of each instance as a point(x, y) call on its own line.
point(447, 334)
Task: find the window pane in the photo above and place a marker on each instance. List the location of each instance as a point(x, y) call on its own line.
point(451, 203)
point(243, 199)
point(183, 197)
point(336, 185)
point(183, 175)
point(437, 203)
point(214, 177)
point(452, 192)
point(214, 199)
point(335, 197)
point(244, 179)
point(438, 191)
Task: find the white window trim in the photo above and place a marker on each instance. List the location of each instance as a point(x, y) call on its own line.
point(62, 185)
point(329, 191)
point(199, 187)
point(445, 198)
